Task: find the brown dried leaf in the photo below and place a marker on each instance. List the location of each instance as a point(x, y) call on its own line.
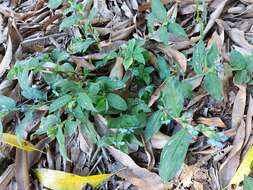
point(140, 177)
point(155, 96)
point(239, 38)
point(159, 140)
point(81, 62)
point(213, 121)
point(239, 106)
point(249, 120)
point(117, 70)
point(6, 61)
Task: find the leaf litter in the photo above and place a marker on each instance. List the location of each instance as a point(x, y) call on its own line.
point(158, 93)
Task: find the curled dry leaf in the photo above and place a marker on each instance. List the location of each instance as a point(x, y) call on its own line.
point(117, 70)
point(58, 180)
point(140, 177)
point(81, 62)
point(155, 96)
point(239, 106)
point(213, 121)
point(177, 55)
point(6, 61)
point(239, 38)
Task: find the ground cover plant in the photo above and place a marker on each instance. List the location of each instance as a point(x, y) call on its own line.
point(126, 94)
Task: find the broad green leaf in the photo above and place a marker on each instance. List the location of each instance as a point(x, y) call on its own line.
point(70, 21)
point(128, 61)
point(177, 29)
point(173, 97)
point(116, 102)
point(173, 154)
point(212, 55)
point(198, 57)
point(150, 22)
point(33, 93)
point(248, 183)
point(237, 60)
point(159, 11)
point(79, 45)
point(242, 77)
point(59, 103)
point(127, 121)
point(26, 121)
point(59, 55)
point(163, 34)
point(85, 102)
point(163, 67)
point(6, 103)
point(244, 169)
point(21, 144)
point(53, 4)
point(61, 141)
point(46, 122)
point(58, 180)
point(111, 84)
point(213, 85)
point(102, 104)
point(153, 124)
point(88, 129)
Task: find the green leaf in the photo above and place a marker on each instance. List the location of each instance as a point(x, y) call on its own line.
point(242, 77)
point(78, 45)
point(163, 67)
point(153, 124)
point(173, 97)
point(6, 103)
point(128, 61)
point(116, 102)
point(59, 103)
point(59, 55)
point(163, 34)
point(213, 85)
point(70, 21)
point(85, 102)
point(127, 121)
point(111, 84)
point(53, 4)
point(22, 126)
point(71, 127)
point(159, 11)
point(46, 122)
point(177, 29)
point(248, 183)
point(173, 154)
point(102, 104)
point(237, 60)
point(33, 93)
point(198, 57)
point(88, 129)
point(212, 55)
point(61, 141)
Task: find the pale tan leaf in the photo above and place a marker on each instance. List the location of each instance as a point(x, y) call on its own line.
point(239, 106)
point(6, 61)
point(249, 120)
point(117, 70)
point(140, 177)
point(159, 140)
point(239, 38)
point(213, 121)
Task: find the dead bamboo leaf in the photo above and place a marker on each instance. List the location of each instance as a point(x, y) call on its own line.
point(13, 141)
point(213, 121)
point(140, 177)
point(249, 120)
point(117, 70)
point(58, 180)
point(239, 106)
point(6, 61)
point(177, 55)
point(22, 170)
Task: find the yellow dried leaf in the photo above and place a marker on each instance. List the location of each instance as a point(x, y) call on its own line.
point(59, 180)
point(244, 168)
point(21, 144)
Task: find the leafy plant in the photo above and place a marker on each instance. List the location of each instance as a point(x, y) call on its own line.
point(242, 65)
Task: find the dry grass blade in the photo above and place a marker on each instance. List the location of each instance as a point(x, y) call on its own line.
point(140, 177)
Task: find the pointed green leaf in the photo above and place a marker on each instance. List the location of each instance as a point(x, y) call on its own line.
point(159, 11)
point(173, 154)
point(198, 57)
point(116, 102)
point(61, 140)
point(212, 55)
point(53, 4)
point(177, 29)
point(213, 85)
point(242, 77)
point(6, 103)
point(70, 21)
point(59, 103)
point(85, 102)
point(237, 60)
point(153, 124)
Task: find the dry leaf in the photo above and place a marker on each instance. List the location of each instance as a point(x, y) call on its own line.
point(140, 177)
point(155, 96)
point(244, 168)
point(213, 121)
point(6, 61)
point(249, 120)
point(159, 140)
point(117, 70)
point(13, 141)
point(238, 37)
point(58, 180)
point(239, 106)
